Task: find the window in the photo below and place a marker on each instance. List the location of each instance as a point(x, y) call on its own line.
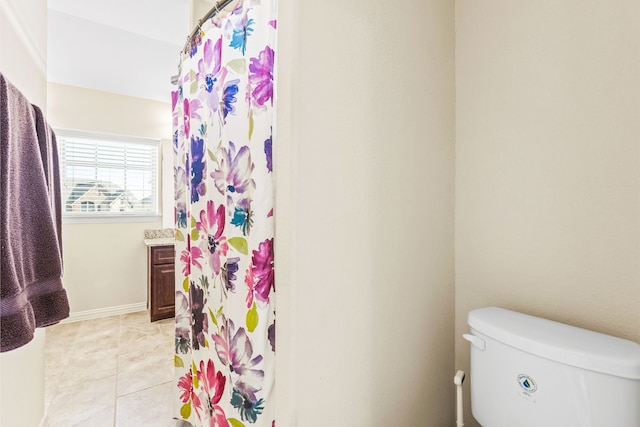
point(107, 177)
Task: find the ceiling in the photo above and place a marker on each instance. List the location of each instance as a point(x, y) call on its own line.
point(128, 47)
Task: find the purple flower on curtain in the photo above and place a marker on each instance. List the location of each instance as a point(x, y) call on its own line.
point(249, 408)
point(243, 216)
point(261, 77)
point(210, 64)
point(229, 274)
point(221, 340)
point(271, 335)
point(229, 97)
point(267, 151)
point(183, 323)
point(208, 310)
point(262, 270)
point(197, 168)
point(240, 34)
point(174, 111)
point(180, 182)
point(180, 185)
point(209, 76)
point(213, 383)
point(242, 364)
point(236, 351)
point(214, 244)
point(190, 109)
point(181, 215)
point(235, 170)
point(186, 118)
point(195, 42)
point(199, 322)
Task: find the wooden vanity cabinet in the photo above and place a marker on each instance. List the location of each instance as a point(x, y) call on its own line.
point(161, 295)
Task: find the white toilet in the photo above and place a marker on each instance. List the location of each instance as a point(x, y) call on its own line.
point(532, 372)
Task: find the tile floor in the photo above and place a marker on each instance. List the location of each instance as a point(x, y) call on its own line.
point(111, 372)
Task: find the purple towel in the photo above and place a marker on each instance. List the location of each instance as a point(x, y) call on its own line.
point(31, 292)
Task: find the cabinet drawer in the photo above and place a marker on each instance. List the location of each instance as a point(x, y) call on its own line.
point(162, 255)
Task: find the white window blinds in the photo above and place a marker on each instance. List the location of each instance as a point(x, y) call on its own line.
point(107, 176)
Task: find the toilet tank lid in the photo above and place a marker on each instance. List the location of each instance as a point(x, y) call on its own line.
point(559, 342)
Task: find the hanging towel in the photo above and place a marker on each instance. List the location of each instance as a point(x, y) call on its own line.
point(31, 291)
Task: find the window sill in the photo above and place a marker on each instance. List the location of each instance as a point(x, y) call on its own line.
point(110, 219)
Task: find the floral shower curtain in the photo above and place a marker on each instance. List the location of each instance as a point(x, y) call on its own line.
point(225, 316)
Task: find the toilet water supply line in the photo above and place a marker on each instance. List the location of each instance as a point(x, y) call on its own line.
point(457, 380)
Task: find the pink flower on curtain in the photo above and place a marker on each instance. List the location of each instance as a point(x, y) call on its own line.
point(213, 383)
point(190, 256)
point(214, 244)
point(262, 270)
point(190, 109)
point(251, 284)
point(261, 77)
point(185, 385)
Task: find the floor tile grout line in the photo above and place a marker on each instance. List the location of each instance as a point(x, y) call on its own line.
point(120, 323)
point(143, 389)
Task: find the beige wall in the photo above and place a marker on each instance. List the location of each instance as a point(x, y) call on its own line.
point(105, 264)
point(23, 61)
point(199, 9)
point(74, 107)
point(364, 213)
point(548, 162)
point(23, 47)
point(547, 191)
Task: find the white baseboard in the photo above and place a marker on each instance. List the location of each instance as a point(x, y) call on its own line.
point(105, 312)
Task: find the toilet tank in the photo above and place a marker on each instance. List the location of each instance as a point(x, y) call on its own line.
point(533, 372)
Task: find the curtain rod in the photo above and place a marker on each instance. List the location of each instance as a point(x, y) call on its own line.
point(212, 12)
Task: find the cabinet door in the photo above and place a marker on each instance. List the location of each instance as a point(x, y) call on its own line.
point(162, 291)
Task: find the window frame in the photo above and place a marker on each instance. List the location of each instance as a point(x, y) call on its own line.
point(111, 217)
